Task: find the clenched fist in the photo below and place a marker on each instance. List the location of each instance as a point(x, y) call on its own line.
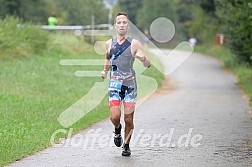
point(104, 74)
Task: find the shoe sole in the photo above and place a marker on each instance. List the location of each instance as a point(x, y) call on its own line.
point(126, 154)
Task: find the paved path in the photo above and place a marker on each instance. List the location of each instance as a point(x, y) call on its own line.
point(206, 102)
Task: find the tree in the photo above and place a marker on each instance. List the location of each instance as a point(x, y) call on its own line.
point(33, 10)
point(27, 10)
point(72, 12)
point(152, 10)
point(10, 7)
point(208, 6)
point(131, 7)
point(236, 19)
point(80, 12)
point(184, 13)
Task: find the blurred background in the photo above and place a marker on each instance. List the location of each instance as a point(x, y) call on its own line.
point(200, 19)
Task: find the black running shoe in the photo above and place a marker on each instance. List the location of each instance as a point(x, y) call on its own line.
point(118, 138)
point(126, 150)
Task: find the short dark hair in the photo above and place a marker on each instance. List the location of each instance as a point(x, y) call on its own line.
point(122, 13)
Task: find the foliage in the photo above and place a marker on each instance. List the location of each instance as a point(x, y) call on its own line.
point(208, 6)
point(24, 9)
point(80, 12)
point(236, 17)
point(185, 15)
point(152, 10)
point(202, 19)
point(18, 40)
point(77, 12)
point(200, 28)
point(131, 7)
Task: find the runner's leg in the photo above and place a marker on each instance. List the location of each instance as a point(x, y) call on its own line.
point(114, 105)
point(115, 115)
point(129, 108)
point(129, 126)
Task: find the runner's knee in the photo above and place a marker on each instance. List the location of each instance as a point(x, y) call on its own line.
point(115, 114)
point(128, 119)
point(114, 117)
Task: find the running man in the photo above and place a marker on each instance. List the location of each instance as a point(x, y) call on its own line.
point(120, 56)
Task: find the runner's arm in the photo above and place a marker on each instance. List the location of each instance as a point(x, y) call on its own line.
point(106, 65)
point(139, 54)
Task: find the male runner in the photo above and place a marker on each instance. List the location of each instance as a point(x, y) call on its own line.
point(119, 59)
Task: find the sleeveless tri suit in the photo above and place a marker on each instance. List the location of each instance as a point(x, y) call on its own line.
point(122, 85)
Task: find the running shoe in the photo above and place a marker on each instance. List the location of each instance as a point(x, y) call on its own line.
point(126, 150)
point(118, 138)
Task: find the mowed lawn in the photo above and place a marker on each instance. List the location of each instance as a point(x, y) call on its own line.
point(35, 90)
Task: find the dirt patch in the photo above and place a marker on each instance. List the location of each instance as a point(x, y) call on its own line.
point(168, 87)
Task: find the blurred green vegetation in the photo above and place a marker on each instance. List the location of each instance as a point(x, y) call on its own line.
point(201, 19)
point(18, 40)
point(77, 12)
point(35, 88)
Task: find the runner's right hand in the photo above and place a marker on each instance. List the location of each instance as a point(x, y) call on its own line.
point(104, 74)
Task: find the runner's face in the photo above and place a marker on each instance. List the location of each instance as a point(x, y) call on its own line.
point(121, 25)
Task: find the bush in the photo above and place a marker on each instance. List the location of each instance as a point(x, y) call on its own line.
point(236, 16)
point(19, 39)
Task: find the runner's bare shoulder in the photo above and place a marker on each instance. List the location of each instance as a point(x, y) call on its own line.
point(136, 46)
point(108, 44)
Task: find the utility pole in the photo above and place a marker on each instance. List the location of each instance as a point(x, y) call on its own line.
point(110, 18)
point(110, 4)
point(92, 28)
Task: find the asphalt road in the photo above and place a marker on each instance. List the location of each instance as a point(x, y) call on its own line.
point(199, 118)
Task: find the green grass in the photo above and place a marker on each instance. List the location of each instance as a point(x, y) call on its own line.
point(241, 70)
point(36, 89)
point(18, 39)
